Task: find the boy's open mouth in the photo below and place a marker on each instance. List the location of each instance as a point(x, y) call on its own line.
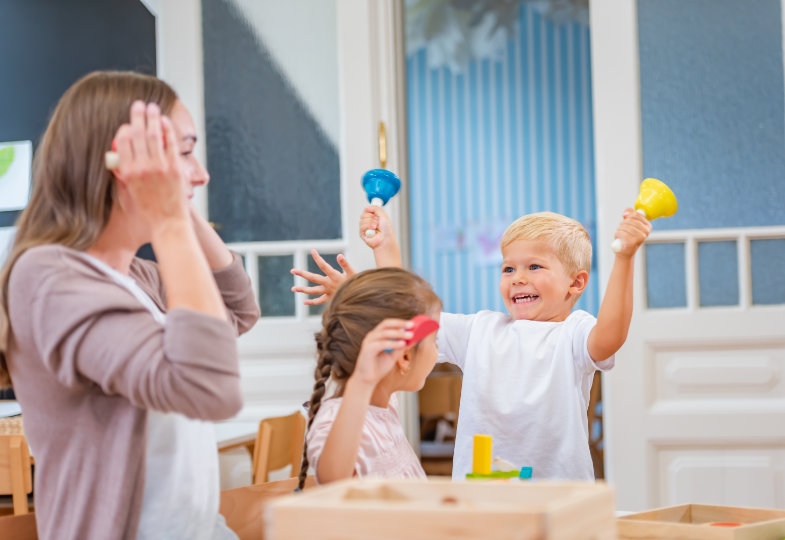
point(524, 298)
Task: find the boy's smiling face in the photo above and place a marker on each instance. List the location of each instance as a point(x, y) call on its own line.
point(534, 283)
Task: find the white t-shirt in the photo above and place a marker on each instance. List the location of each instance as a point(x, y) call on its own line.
point(525, 383)
point(181, 484)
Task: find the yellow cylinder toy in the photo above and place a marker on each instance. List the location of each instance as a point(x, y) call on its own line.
point(481, 460)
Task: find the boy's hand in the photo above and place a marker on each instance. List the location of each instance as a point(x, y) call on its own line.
point(632, 231)
point(374, 218)
point(326, 284)
point(380, 350)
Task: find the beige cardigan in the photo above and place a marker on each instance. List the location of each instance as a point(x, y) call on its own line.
point(87, 360)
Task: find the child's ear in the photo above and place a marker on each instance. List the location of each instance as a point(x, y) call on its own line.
point(404, 362)
point(579, 282)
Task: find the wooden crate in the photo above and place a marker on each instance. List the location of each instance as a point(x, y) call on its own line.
point(440, 508)
point(693, 522)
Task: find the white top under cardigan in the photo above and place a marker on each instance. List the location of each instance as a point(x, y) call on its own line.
point(181, 485)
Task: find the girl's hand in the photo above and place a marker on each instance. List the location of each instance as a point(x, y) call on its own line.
point(326, 284)
point(380, 350)
point(150, 177)
point(374, 218)
point(632, 231)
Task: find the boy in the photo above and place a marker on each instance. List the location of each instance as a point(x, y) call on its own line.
point(527, 373)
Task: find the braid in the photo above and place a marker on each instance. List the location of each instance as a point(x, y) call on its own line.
point(321, 375)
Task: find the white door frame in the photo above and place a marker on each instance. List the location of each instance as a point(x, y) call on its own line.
point(372, 90)
point(696, 421)
point(616, 111)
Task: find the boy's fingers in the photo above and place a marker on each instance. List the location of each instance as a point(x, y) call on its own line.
point(345, 266)
point(310, 276)
point(323, 265)
point(309, 290)
point(316, 301)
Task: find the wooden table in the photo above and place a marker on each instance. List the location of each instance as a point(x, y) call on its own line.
point(228, 435)
point(232, 435)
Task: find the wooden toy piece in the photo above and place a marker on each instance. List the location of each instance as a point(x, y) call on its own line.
point(380, 186)
point(503, 465)
point(440, 509)
point(655, 200)
point(703, 522)
point(493, 475)
point(525, 473)
point(481, 458)
point(423, 327)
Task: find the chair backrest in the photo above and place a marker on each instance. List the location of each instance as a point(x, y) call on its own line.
point(441, 394)
point(16, 476)
point(279, 443)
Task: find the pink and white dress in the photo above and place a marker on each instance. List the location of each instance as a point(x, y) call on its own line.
point(384, 449)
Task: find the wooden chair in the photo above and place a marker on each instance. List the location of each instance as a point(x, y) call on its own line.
point(279, 443)
point(593, 415)
point(439, 400)
point(243, 507)
point(440, 397)
point(16, 477)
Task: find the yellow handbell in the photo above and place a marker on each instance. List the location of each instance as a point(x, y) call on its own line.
point(655, 200)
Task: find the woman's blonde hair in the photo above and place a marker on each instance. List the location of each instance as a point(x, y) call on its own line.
point(568, 238)
point(361, 303)
point(72, 191)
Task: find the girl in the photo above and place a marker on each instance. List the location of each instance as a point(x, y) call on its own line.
point(362, 351)
point(116, 361)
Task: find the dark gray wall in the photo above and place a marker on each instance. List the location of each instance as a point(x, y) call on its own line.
point(46, 45)
point(274, 173)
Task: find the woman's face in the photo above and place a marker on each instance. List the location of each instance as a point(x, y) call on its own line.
point(185, 130)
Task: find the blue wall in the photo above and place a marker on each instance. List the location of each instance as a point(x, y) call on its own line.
point(502, 139)
point(712, 114)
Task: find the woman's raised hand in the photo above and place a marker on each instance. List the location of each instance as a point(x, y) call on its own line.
point(380, 350)
point(326, 284)
point(151, 178)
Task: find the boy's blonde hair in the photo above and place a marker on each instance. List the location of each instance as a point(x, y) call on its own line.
point(567, 237)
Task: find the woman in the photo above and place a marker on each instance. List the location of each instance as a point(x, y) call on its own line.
point(118, 362)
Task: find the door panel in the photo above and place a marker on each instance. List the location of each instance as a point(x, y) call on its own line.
point(694, 409)
point(297, 184)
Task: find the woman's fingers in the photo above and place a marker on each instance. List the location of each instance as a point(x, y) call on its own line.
point(155, 144)
point(122, 145)
point(138, 131)
point(170, 140)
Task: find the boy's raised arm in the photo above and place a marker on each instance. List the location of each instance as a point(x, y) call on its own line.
point(386, 251)
point(613, 319)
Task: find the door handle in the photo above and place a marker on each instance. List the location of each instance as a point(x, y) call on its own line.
point(382, 145)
